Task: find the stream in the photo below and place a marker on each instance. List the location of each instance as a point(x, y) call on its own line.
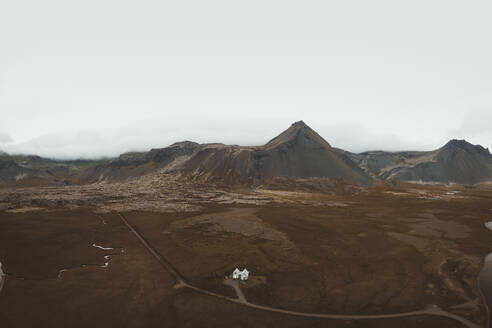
point(2, 277)
point(485, 280)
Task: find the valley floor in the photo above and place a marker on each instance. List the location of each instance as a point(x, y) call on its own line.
point(71, 260)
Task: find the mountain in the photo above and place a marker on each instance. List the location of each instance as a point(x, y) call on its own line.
point(376, 162)
point(135, 164)
point(457, 161)
point(10, 171)
point(13, 173)
point(297, 152)
point(32, 170)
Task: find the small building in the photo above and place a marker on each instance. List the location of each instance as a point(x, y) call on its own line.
point(244, 274)
point(236, 273)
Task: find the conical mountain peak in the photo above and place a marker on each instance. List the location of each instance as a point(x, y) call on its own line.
point(299, 125)
point(299, 133)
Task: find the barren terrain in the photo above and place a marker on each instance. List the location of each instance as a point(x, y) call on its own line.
point(359, 254)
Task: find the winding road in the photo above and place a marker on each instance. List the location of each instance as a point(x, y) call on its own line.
point(432, 310)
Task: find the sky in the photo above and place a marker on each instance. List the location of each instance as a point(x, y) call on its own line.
point(98, 78)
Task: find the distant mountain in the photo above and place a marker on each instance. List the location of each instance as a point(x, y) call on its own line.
point(132, 165)
point(375, 162)
point(457, 161)
point(297, 152)
point(31, 170)
point(13, 173)
point(9, 170)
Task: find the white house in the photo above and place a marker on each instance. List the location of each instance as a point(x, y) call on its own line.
point(244, 274)
point(236, 273)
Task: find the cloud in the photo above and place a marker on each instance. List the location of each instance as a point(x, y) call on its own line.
point(146, 134)
point(476, 127)
point(250, 126)
point(209, 76)
point(356, 137)
point(476, 122)
point(82, 144)
point(5, 138)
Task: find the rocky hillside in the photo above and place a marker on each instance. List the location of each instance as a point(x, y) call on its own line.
point(10, 171)
point(32, 170)
point(297, 152)
point(458, 162)
point(131, 165)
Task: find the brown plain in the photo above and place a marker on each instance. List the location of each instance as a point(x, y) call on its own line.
point(353, 250)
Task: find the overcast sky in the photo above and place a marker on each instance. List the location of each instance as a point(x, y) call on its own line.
point(98, 77)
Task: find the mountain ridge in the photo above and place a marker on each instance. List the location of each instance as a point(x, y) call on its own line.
point(297, 152)
point(458, 161)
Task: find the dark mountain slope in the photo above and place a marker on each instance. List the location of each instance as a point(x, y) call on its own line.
point(131, 165)
point(376, 162)
point(458, 161)
point(31, 170)
point(297, 152)
point(12, 173)
point(10, 170)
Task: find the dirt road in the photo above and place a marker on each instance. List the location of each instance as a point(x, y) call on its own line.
point(159, 258)
point(235, 284)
